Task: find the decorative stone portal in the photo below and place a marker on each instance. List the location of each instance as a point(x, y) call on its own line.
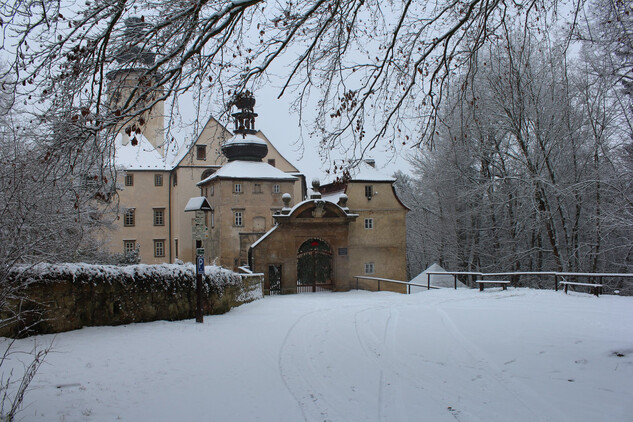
point(314, 266)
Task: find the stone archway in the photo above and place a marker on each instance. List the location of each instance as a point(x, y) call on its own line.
point(314, 266)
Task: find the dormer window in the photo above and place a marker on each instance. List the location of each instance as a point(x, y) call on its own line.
point(369, 191)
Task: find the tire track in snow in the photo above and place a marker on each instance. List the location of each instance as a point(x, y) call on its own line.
point(384, 354)
point(303, 362)
point(284, 378)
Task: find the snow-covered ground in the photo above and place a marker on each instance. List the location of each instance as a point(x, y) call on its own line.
point(443, 355)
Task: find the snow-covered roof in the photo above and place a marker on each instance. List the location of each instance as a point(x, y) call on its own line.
point(445, 281)
point(333, 196)
point(142, 156)
point(248, 170)
point(366, 173)
point(198, 203)
point(245, 139)
point(363, 172)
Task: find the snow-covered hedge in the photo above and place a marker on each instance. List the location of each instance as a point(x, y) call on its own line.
point(62, 297)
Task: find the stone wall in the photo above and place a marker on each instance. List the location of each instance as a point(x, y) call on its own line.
point(65, 297)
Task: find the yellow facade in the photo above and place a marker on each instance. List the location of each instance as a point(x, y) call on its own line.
point(179, 179)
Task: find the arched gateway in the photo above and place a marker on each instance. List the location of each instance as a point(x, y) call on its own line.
point(314, 266)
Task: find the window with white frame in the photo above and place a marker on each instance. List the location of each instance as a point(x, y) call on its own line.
point(369, 223)
point(159, 248)
point(158, 180)
point(129, 180)
point(129, 246)
point(238, 218)
point(159, 216)
point(237, 188)
point(128, 218)
point(369, 268)
point(276, 188)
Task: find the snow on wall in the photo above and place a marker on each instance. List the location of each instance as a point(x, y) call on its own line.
point(63, 297)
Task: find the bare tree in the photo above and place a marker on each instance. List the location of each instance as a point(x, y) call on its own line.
point(524, 174)
point(377, 70)
point(52, 203)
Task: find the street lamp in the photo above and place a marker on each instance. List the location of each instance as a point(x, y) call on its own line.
point(200, 205)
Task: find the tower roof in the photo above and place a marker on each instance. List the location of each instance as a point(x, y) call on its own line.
point(245, 146)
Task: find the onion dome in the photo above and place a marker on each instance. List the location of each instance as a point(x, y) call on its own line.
point(132, 50)
point(244, 145)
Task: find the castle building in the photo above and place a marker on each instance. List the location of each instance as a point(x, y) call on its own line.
point(353, 226)
point(261, 214)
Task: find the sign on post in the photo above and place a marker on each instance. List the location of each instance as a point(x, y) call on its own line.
point(200, 264)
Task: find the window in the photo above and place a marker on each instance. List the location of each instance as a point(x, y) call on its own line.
point(128, 218)
point(159, 248)
point(239, 216)
point(201, 152)
point(237, 188)
point(369, 191)
point(159, 216)
point(276, 189)
point(129, 180)
point(175, 179)
point(369, 268)
point(212, 218)
point(342, 251)
point(271, 161)
point(257, 188)
point(129, 246)
point(207, 173)
point(158, 180)
point(211, 190)
point(176, 247)
point(369, 223)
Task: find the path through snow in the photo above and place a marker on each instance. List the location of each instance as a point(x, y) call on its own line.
point(445, 355)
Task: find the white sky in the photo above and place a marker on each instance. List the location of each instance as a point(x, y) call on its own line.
point(282, 128)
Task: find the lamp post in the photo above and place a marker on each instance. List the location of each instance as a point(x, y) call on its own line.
point(199, 205)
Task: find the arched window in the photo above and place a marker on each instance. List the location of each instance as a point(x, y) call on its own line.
point(207, 173)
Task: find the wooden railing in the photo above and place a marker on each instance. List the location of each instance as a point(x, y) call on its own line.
point(387, 280)
point(558, 276)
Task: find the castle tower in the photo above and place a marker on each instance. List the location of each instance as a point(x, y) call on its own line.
point(132, 86)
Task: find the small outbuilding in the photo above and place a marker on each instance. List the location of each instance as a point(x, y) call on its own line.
point(437, 280)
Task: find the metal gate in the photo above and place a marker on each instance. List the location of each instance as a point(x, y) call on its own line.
point(274, 278)
point(314, 266)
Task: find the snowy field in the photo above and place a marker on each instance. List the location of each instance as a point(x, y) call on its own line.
point(444, 355)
